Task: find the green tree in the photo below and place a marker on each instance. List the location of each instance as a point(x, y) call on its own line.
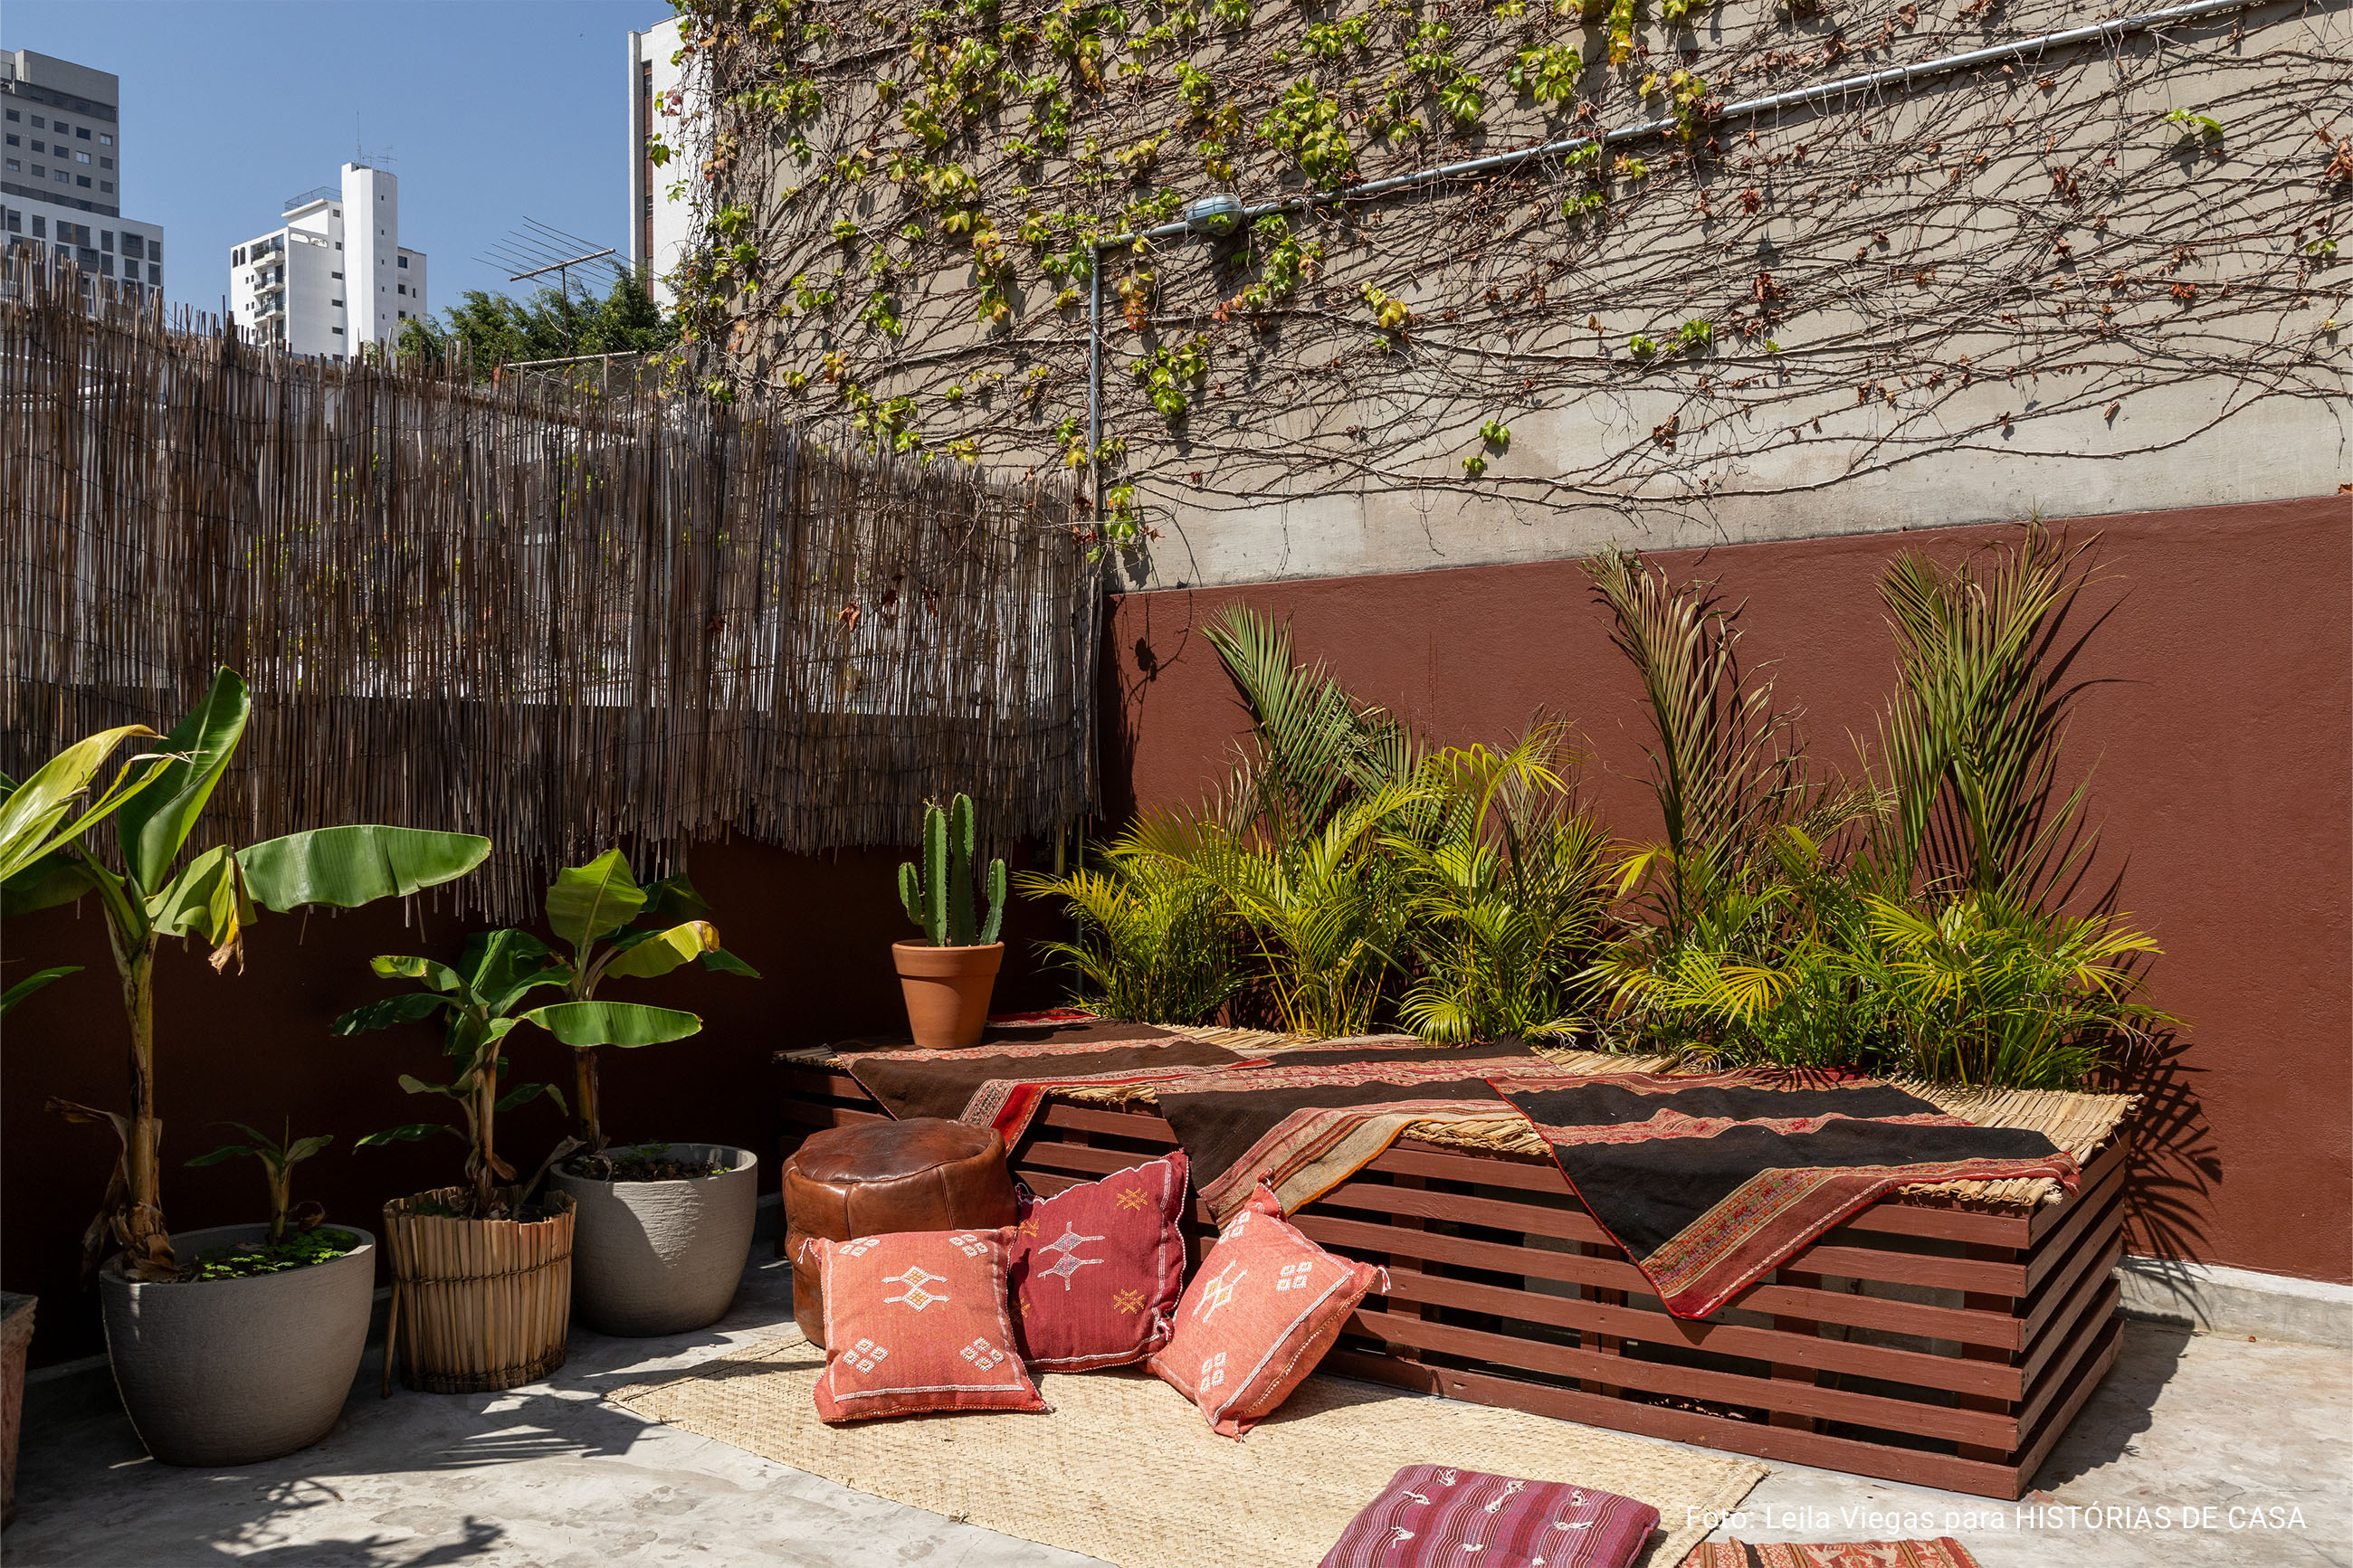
point(494, 330)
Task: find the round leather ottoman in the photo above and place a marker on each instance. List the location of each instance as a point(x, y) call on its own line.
point(878, 1177)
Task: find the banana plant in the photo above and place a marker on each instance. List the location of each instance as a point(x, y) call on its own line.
point(278, 1156)
point(479, 1001)
point(34, 818)
point(595, 908)
point(214, 896)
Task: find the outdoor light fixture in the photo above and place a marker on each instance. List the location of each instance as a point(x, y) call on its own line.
point(1213, 215)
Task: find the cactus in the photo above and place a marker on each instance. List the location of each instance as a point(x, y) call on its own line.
point(939, 895)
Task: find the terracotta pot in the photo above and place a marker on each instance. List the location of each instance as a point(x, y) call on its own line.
point(15, 1341)
point(947, 991)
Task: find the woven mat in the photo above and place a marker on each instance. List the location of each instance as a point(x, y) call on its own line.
point(2079, 1123)
point(1125, 1469)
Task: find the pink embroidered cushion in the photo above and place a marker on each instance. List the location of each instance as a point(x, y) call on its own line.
point(1431, 1515)
point(1262, 1311)
point(1097, 1267)
point(917, 1321)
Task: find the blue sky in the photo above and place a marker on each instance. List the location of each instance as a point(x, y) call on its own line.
point(492, 110)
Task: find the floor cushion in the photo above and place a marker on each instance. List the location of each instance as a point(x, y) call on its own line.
point(1262, 1309)
point(1097, 1267)
point(1432, 1514)
point(917, 1321)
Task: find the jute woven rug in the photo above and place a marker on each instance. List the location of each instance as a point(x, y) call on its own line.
point(1124, 1470)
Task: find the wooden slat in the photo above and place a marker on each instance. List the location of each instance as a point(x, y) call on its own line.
point(2095, 1252)
point(1689, 1383)
point(2088, 1285)
point(1092, 1119)
point(1632, 1323)
point(1847, 1308)
point(805, 1114)
point(2051, 1214)
point(2053, 1248)
point(2099, 1318)
point(2075, 1391)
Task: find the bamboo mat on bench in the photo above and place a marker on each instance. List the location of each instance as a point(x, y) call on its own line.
point(1124, 1468)
point(2079, 1123)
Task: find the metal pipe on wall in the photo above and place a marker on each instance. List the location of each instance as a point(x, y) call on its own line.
point(2116, 28)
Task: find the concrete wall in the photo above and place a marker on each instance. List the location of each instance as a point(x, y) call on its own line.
point(1998, 291)
point(255, 1047)
point(2219, 718)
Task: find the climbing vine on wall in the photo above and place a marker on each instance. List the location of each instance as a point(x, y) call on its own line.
point(901, 205)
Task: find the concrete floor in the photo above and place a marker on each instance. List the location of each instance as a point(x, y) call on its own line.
point(550, 1477)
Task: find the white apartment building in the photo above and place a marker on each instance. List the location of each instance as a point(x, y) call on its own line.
point(61, 172)
point(334, 274)
point(662, 95)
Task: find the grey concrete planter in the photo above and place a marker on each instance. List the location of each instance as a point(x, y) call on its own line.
point(229, 1371)
point(661, 1258)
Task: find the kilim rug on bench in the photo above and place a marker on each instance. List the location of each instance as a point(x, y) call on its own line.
point(1124, 1470)
point(1002, 1081)
point(1307, 1119)
point(1709, 1180)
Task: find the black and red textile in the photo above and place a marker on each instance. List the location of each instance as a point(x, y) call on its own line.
point(1003, 1081)
point(1308, 1119)
point(1710, 1181)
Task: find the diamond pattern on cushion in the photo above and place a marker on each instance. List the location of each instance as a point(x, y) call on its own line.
point(1097, 1267)
point(917, 1321)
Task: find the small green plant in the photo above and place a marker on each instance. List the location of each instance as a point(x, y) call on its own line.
point(278, 1156)
point(1497, 434)
point(844, 230)
point(1474, 465)
point(938, 896)
point(1169, 369)
point(2325, 249)
point(1696, 334)
point(1640, 347)
point(2195, 126)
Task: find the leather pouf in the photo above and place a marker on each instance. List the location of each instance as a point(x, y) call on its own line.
point(881, 1177)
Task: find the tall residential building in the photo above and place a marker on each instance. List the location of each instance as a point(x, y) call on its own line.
point(335, 274)
point(661, 108)
point(62, 176)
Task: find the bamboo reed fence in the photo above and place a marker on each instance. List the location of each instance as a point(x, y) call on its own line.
point(561, 618)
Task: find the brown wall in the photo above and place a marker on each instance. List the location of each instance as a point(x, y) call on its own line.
point(2217, 722)
point(255, 1047)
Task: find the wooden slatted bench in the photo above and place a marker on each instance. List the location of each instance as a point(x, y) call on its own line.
point(1924, 1341)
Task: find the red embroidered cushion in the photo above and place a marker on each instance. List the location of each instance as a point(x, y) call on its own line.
point(1264, 1308)
point(915, 1322)
point(1097, 1268)
point(1432, 1516)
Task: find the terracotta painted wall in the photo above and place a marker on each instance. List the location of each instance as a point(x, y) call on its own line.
point(2219, 724)
point(256, 1048)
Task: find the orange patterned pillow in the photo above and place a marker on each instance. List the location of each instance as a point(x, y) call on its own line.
point(1265, 1306)
point(1098, 1266)
point(917, 1322)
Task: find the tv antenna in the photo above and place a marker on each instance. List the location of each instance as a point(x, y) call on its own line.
point(537, 249)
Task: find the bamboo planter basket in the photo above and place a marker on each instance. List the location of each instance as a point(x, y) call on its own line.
point(477, 1305)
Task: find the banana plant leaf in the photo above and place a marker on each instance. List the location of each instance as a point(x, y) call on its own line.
point(346, 866)
point(660, 952)
point(155, 824)
point(206, 899)
point(592, 901)
point(396, 967)
point(582, 1023)
point(409, 1007)
point(32, 983)
point(33, 815)
point(408, 1134)
point(51, 881)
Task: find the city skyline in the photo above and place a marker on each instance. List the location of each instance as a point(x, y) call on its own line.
point(489, 113)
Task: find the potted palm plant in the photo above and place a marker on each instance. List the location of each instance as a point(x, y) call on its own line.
point(947, 976)
point(660, 1229)
point(203, 1368)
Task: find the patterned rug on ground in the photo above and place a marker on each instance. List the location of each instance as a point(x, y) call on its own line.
point(1708, 1181)
point(1002, 1081)
point(1942, 1552)
point(1308, 1119)
point(1124, 1470)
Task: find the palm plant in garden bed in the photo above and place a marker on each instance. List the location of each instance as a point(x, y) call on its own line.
point(214, 1368)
